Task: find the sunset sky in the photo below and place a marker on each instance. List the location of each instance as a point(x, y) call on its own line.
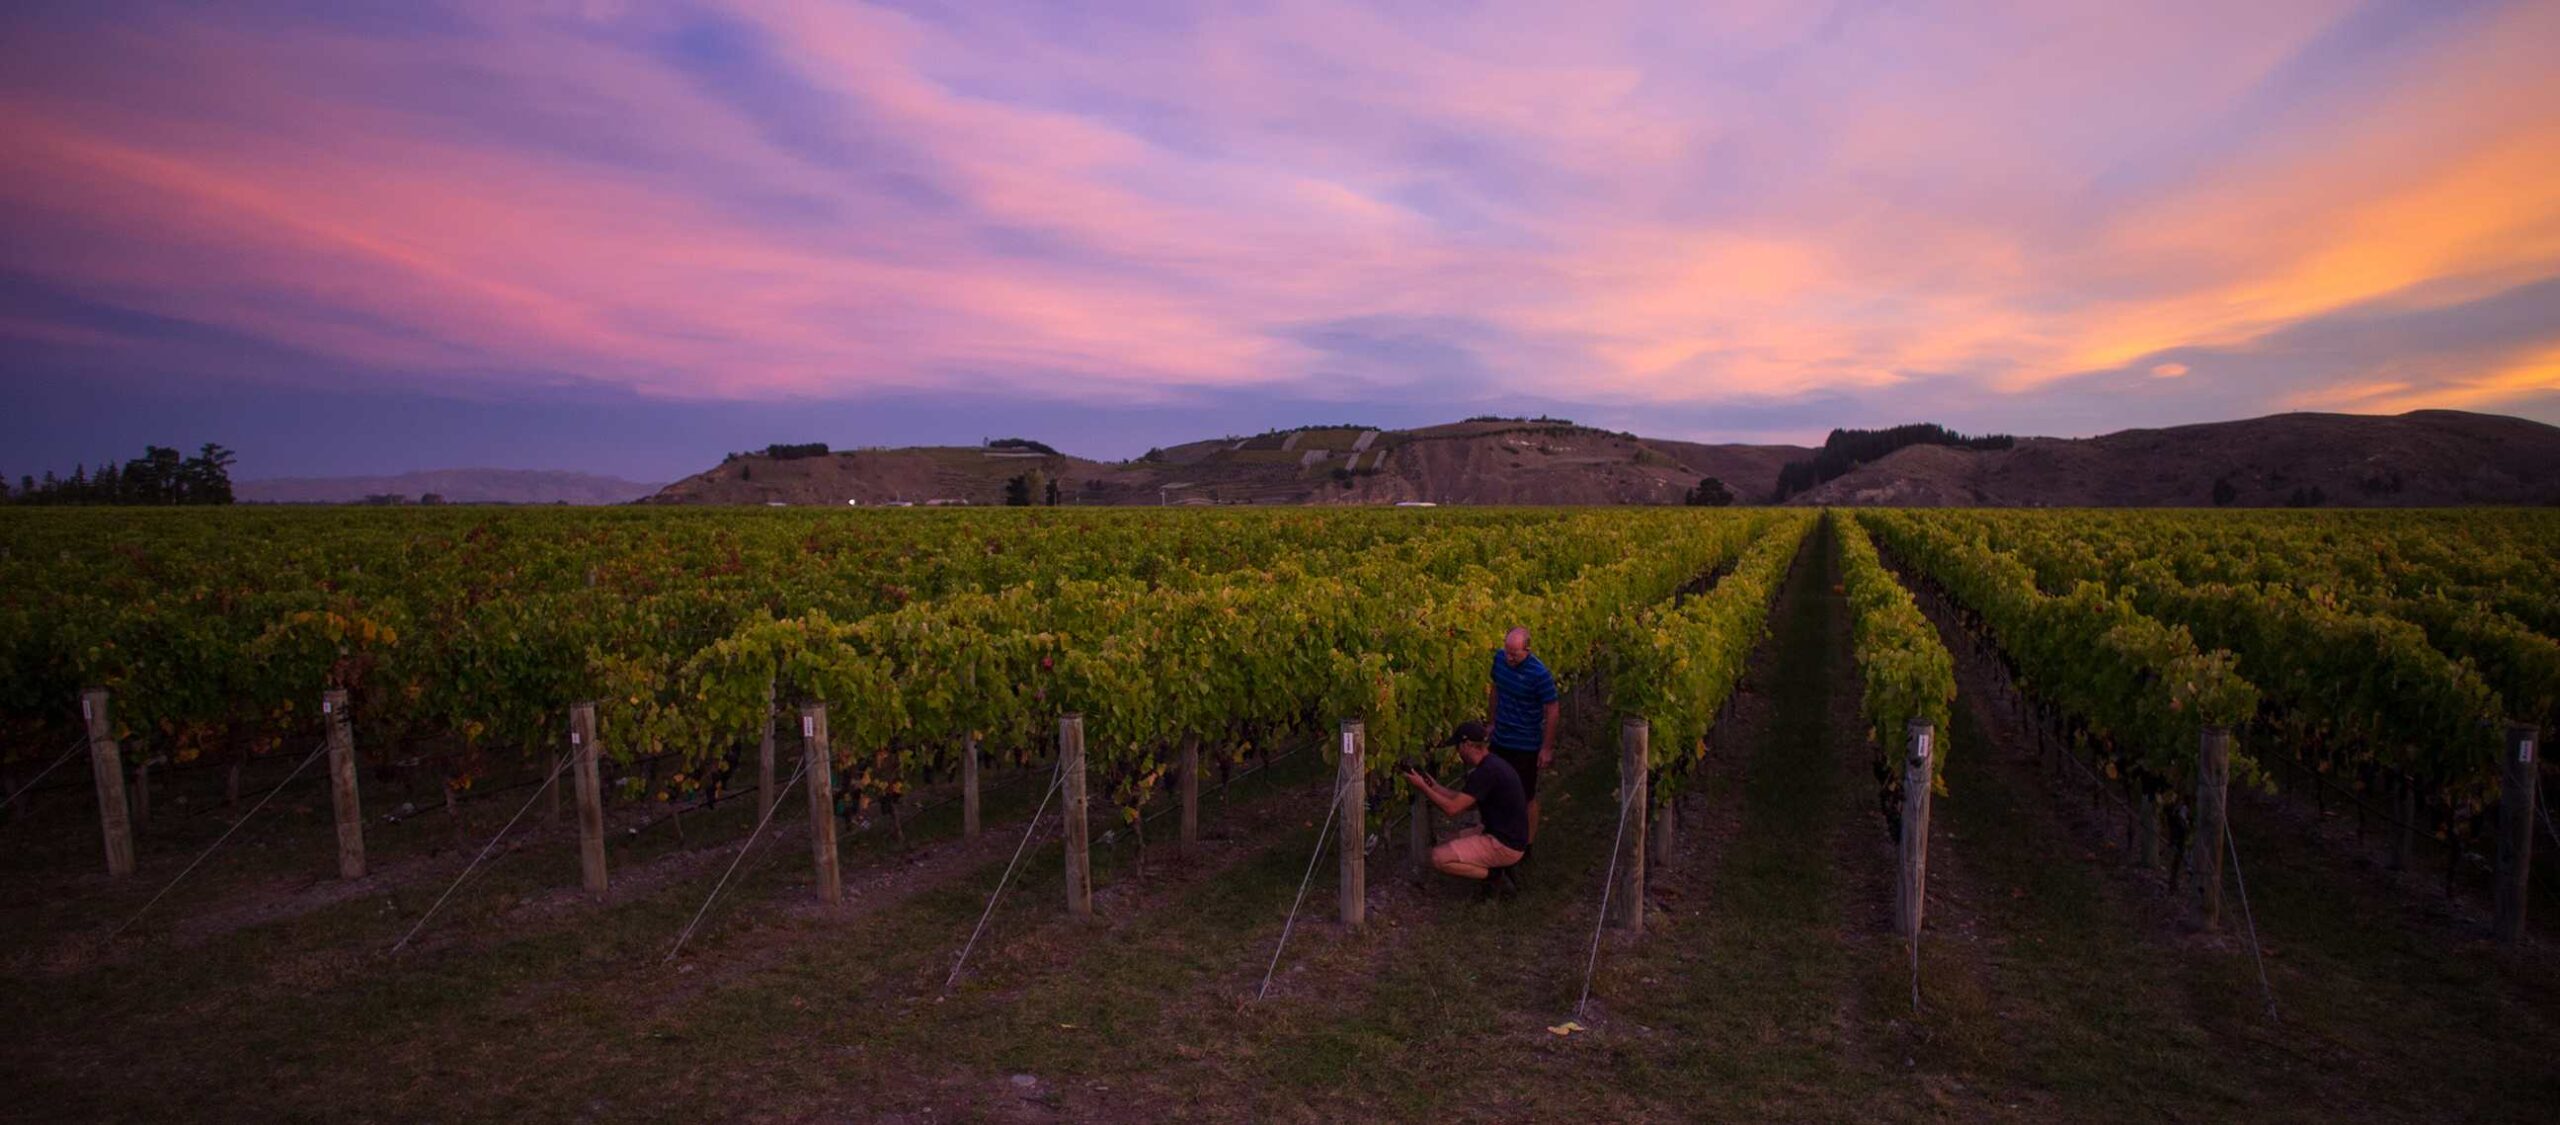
point(626, 237)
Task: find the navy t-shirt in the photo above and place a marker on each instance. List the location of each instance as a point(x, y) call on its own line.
point(1521, 693)
point(1496, 788)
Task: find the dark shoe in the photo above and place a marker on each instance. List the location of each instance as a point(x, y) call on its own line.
point(1504, 882)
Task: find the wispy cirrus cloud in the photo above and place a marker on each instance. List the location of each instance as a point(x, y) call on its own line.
point(1700, 212)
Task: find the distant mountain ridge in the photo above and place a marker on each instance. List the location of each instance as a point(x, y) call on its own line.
point(455, 486)
point(1474, 462)
point(2424, 458)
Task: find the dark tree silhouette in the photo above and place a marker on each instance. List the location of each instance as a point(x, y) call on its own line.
point(160, 476)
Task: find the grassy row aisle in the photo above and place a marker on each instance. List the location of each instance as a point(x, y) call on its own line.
point(1760, 991)
point(2064, 985)
point(1733, 1004)
point(1734, 999)
point(1750, 995)
point(2042, 995)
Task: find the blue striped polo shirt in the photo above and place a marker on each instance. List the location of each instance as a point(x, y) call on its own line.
point(1521, 693)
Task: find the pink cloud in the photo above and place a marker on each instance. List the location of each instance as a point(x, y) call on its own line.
point(2008, 196)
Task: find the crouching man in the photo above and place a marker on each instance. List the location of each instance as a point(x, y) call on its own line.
point(1493, 790)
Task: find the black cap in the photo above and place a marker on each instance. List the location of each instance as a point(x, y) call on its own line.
point(1469, 732)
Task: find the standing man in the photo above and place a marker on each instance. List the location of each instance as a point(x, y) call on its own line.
point(1522, 700)
point(1494, 792)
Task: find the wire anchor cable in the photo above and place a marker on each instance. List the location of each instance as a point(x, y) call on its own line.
point(2255, 954)
point(1055, 776)
point(219, 841)
point(770, 808)
point(1592, 966)
point(1323, 836)
point(474, 865)
point(23, 790)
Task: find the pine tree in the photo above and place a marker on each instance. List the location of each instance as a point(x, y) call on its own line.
point(160, 476)
point(108, 486)
point(206, 477)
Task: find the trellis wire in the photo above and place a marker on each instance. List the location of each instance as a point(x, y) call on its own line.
point(1115, 837)
point(711, 803)
point(210, 808)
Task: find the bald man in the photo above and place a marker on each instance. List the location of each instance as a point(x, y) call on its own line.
point(1522, 701)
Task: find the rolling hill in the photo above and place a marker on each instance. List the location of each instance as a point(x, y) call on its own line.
point(2424, 458)
point(2428, 458)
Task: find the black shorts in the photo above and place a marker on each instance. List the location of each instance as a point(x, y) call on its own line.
point(1524, 763)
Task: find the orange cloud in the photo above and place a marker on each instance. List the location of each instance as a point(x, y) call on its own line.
point(887, 202)
point(2510, 382)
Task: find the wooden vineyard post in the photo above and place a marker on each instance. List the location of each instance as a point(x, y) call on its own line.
point(582, 750)
point(1635, 753)
point(1071, 779)
point(766, 782)
point(2213, 812)
point(1352, 779)
point(1662, 831)
point(342, 783)
point(106, 765)
point(818, 761)
point(1190, 794)
point(1911, 891)
point(2515, 830)
point(969, 788)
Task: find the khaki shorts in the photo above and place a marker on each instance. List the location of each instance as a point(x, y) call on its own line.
point(1473, 855)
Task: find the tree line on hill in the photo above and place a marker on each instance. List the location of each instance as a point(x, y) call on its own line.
point(781, 452)
point(1847, 449)
point(160, 476)
point(1031, 489)
point(801, 451)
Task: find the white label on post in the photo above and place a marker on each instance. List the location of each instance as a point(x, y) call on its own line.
point(84, 709)
point(324, 706)
point(1346, 742)
point(2524, 751)
point(1920, 746)
point(808, 726)
point(573, 738)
